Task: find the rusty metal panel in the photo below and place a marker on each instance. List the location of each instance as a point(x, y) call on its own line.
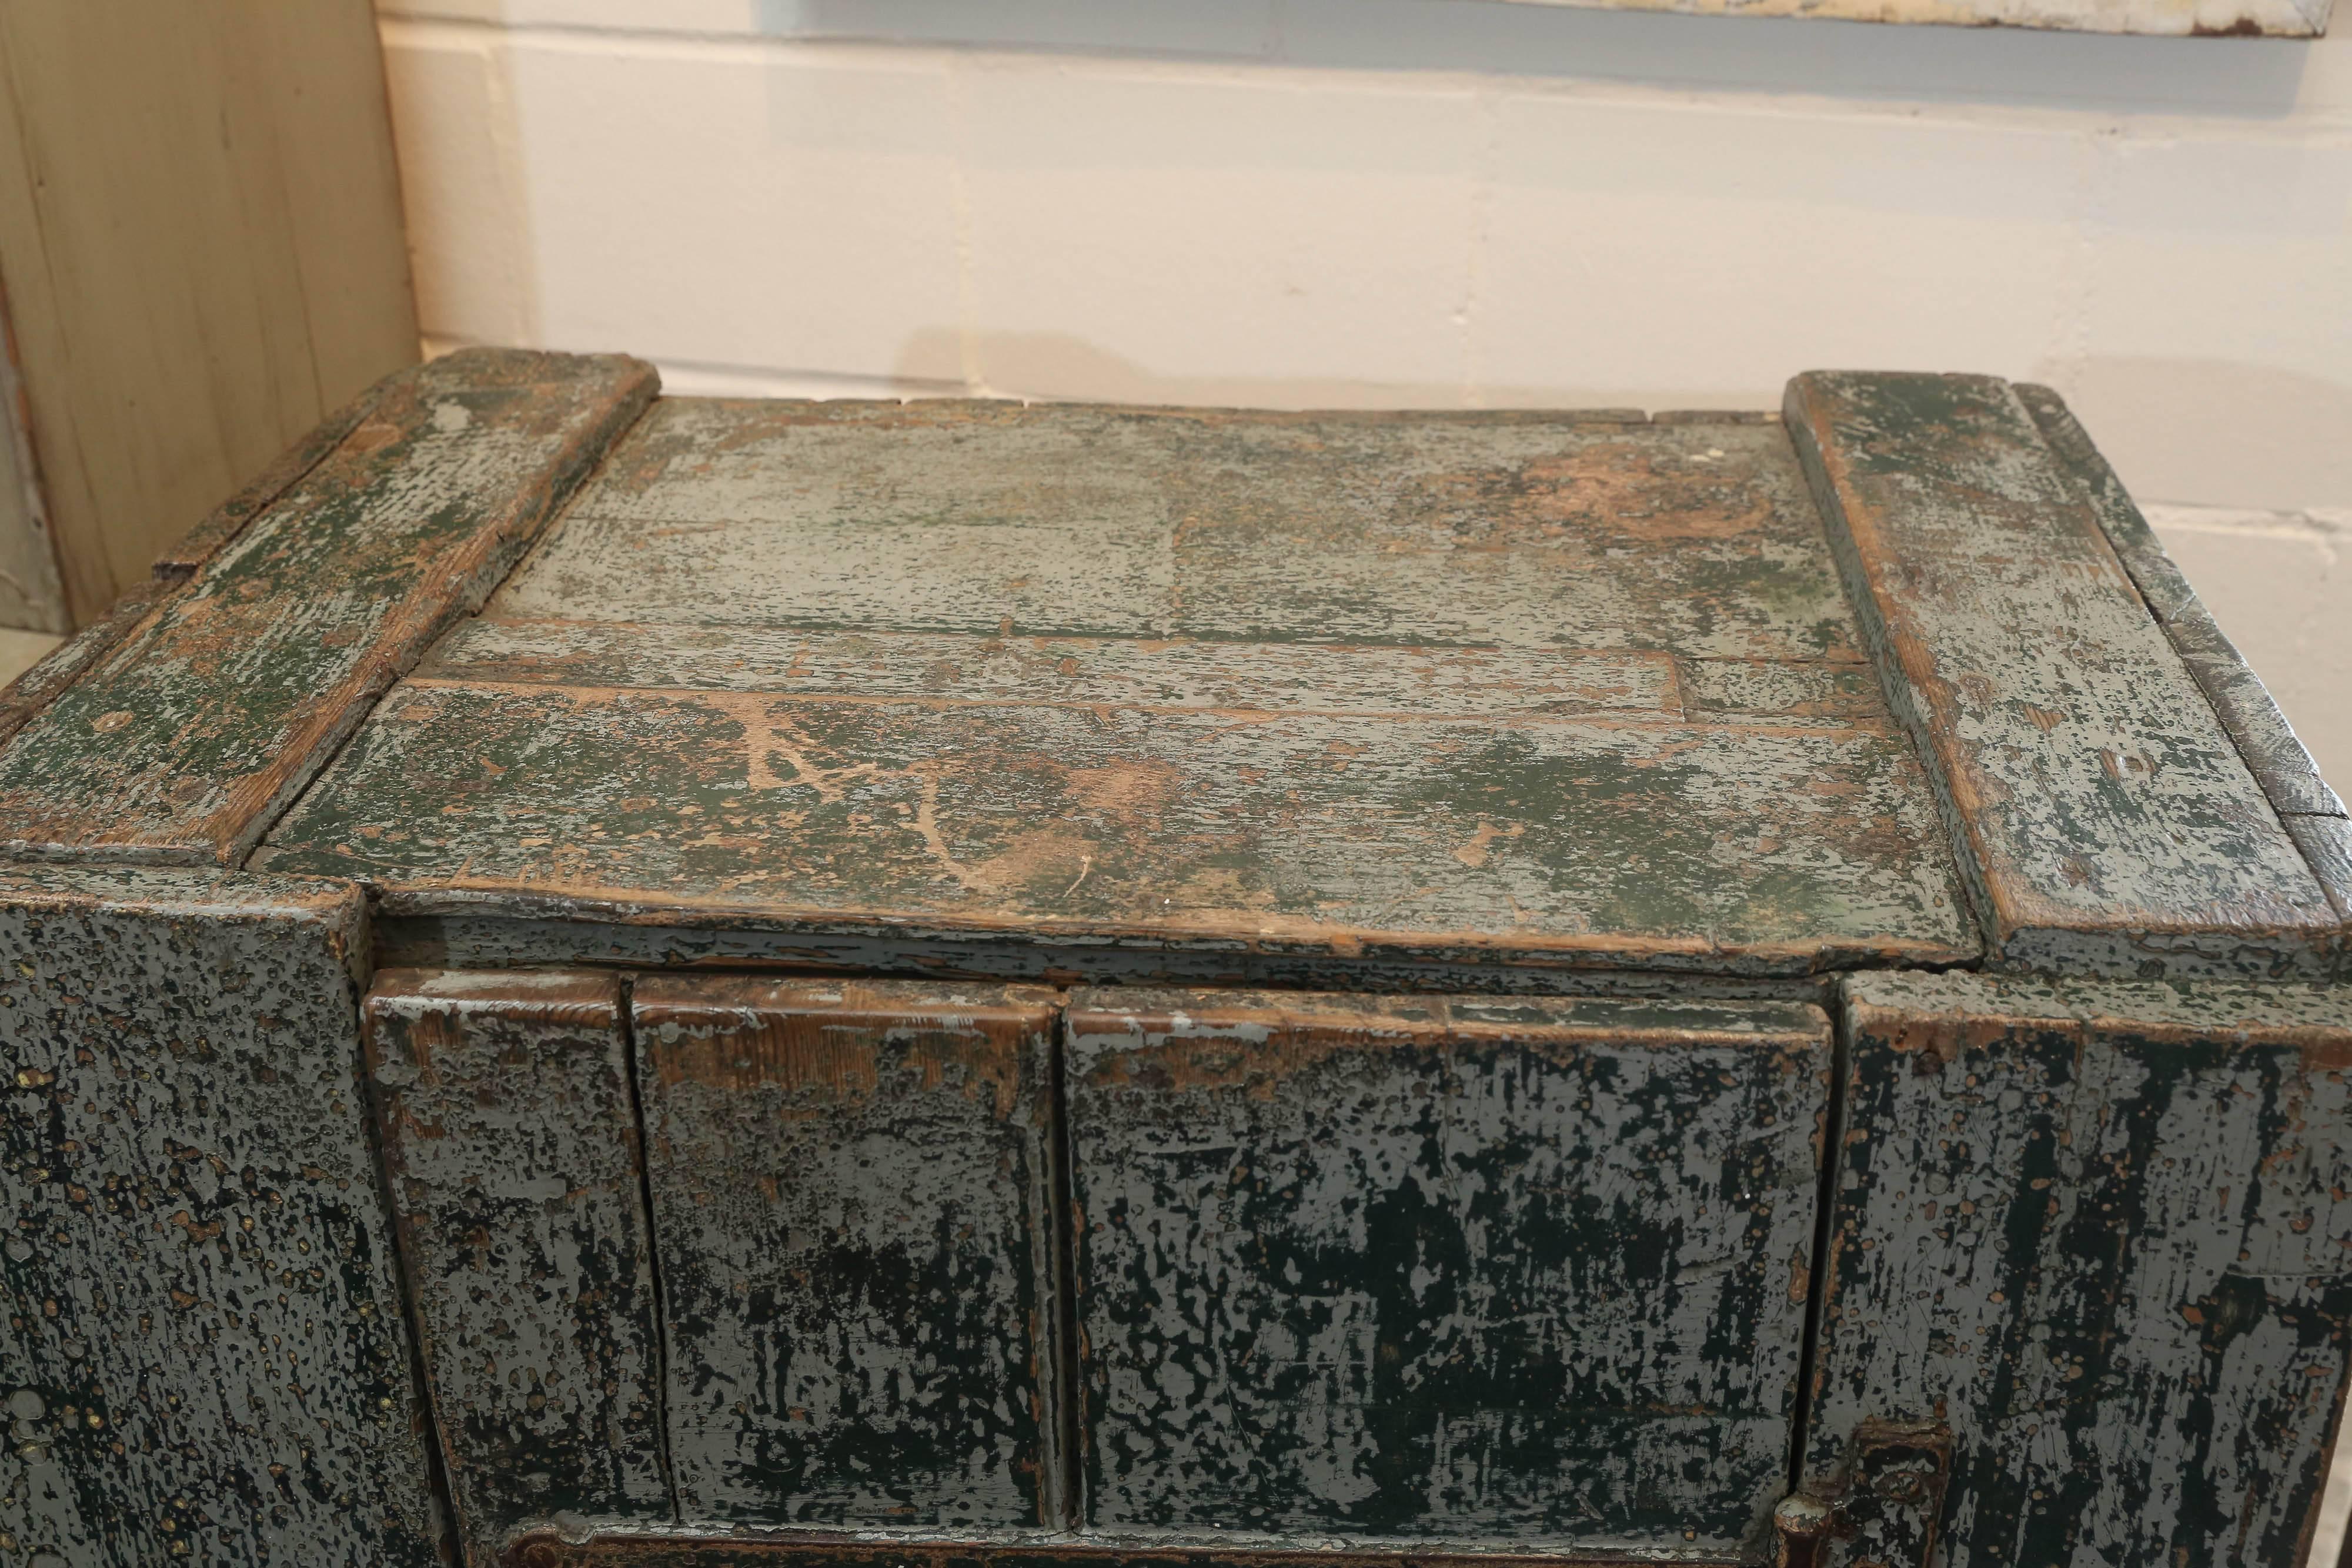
point(181, 744)
point(510, 1139)
point(853, 1186)
point(204, 1348)
point(1526, 1270)
point(2106, 823)
point(2100, 1230)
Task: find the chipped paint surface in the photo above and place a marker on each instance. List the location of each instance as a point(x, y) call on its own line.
point(204, 1333)
point(201, 722)
point(1559, 692)
point(1506, 531)
point(2106, 820)
point(852, 1184)
point(510, 1138)
point(810, 1550)
point(2101, 1230)
point(1744, 847)
point(1522, 1271)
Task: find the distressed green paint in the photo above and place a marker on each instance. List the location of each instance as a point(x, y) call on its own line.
point(2263, 736)
point(1505, 530)
point(1509, 1271)
point(1744, 848)
point(2106, 822)
point(810, 1550)
point(203, 1337)
point(851, 1183)
point(188, 736)
point(2100, 1230)
point(510, 1137)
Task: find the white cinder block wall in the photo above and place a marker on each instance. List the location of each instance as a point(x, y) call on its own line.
point(1458, 202)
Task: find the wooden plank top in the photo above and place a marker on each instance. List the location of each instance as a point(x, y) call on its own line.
point(207, 717)
point(1502, 689)
point(2106, 819)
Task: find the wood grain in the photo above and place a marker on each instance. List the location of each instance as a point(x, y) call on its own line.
point(182, 743)
point(509, 1136)
point(2264, 737)
point(2101, 1230)
point(1511, 531)
point(200, 228)
point(1514, 1271)
point(204, 1338)
point(852, 1186)
point(2105, 820)
point(1746, 847)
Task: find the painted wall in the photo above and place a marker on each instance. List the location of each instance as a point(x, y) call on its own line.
point(1430, 202)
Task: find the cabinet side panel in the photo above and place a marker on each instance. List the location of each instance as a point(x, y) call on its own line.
point(1440, 1269)
point(2100, 1230)
point(203, 1331)
point(510, 1139)
point(851, 1191)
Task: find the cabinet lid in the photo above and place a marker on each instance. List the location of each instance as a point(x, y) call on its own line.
point(1711, 693)
point(1531, 688)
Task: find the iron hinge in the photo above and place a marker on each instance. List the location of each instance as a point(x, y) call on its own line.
point(1879, 1509)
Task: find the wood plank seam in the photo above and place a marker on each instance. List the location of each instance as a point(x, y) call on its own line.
point(2247, 712)
point(633, 1058)
point(2100, 823)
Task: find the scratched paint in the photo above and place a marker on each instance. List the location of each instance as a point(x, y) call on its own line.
point(203, 1335)
point(1743, 848)
point(510, 1138)
point(1497, 531)
point(1529, 1271)
point(2101, 1230)
point(850, 1184)
point(186, 739)
point(2106, 819)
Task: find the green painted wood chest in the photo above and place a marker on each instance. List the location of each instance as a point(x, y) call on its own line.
point(598, 981)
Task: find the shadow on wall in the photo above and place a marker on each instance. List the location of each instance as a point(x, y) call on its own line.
point(936, 362)
point(2172, 428)
point(1836, 59)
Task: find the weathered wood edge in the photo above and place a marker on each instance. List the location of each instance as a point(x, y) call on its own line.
point(2278, 759)
point(609, 393)
point(31, 691)
point(493, 939)
point(200, 543)
point(812, 1549)
point(23, 699)
point(2190, 947)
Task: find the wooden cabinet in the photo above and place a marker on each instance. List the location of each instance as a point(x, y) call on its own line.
point(600, 980)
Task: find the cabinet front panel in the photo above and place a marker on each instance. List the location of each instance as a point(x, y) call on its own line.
point(503, 1101)
point(851, 1186)
point(1450, 1269)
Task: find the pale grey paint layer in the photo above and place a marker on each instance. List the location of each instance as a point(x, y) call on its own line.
point(203, 1331)
point(1517, 1271)
point(510, 1139)
point(2103, 817)
point(852, 1186)
point(1497, 531)
point(2246, 710)
point(2101, 1229)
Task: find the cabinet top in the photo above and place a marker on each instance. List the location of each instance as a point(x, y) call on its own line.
point(1717, 694)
